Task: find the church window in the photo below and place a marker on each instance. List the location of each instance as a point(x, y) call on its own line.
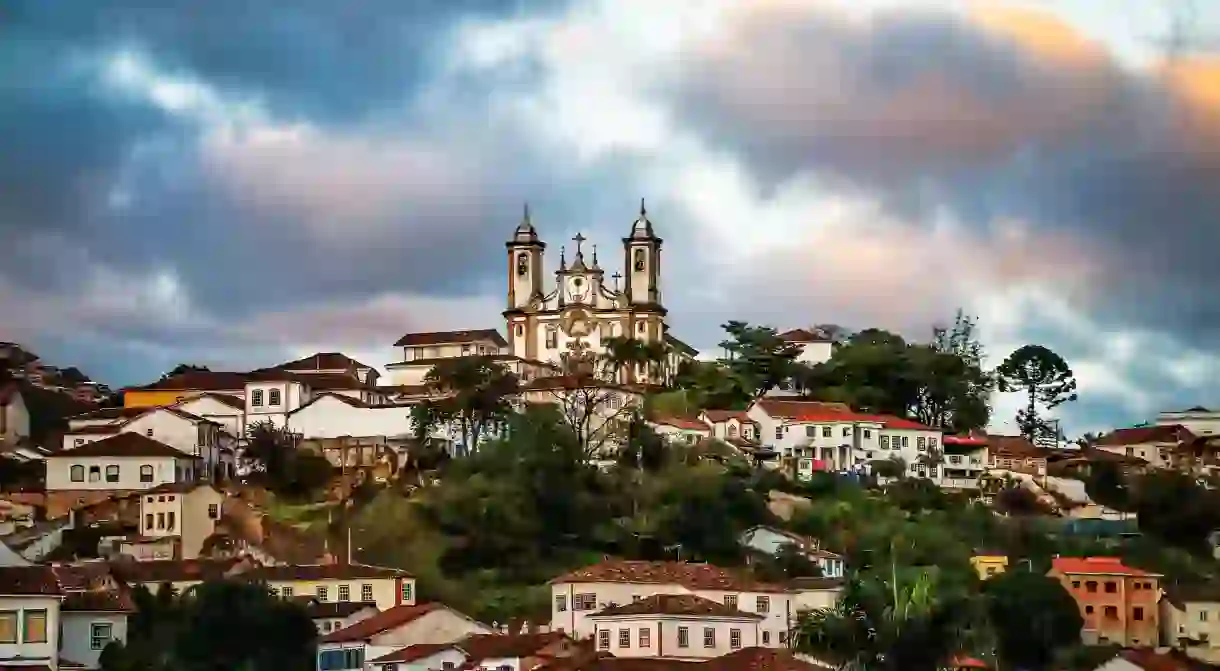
point(639, 259)
point(552, 338)
point(523, 264)
point(520, 330)
point(641, 327)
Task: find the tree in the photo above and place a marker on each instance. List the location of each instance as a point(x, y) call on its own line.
point(1046, 380)
point(954, 390)
point(1033, 618)
point(273, 456)
point(873, 371)
point(758, 357)
point(713, 385)
point(240, 625)
point(596, 412)
point(184, 368)
point(473, 400)
point(900, 624)
point(1174, 508)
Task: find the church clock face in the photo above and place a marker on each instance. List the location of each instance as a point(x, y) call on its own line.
point(578, 289)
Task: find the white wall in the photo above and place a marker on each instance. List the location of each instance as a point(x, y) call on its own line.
point(232, 420)
point(664, 638)
point(330, 417)
point(33, 651)
point(59, 472)
point(1199, 423)
point(292, 395)
point(78, 635)
point(192, 437)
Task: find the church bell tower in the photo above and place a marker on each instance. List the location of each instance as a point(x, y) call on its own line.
point(642, 250)
point(524, 264)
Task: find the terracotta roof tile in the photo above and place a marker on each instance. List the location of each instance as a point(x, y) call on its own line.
point(199, 381)
point(887, 421)
point(504, 646)
point(451, 337)
point(111, 413)
point(28, 581)
point(125, 444)
point(322, 572)
point(235, 402)
point(676, 604)
point(789, 408)
point(1098, 566)
point(1138, 435)
point(99, 602)
point(718, 416)
point(383, 621)
point(689, 575)
point(683, 423)
point(170, 570)
point(322, 361)
point(333, 609)
point(1013, 447)
point(96, 429)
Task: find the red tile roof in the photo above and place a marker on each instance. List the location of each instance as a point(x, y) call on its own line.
point(381, 622)
point(1098, 566)
point(28, 581)
point(887, 421)
point(96, 429)
point(718, 416)
point(451, 337)
point(322, 572)
point(98, 601)
point(1013, 447)
point(199, 381)
point(125, 444)
point(1139, 435)
point(789, 408)
point(172, 570)
point(506, 646)
point(322, 361)
point(677, 604)
point(689, 575)
point(235, 402)
point(111, 413)
point(683, 423)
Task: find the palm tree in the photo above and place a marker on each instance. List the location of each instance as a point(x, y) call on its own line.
point(623, 355)
point(880, 625)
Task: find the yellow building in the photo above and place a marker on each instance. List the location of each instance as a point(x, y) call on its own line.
point(987, 565)
point(184, 386)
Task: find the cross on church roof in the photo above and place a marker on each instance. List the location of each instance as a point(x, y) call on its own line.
point(579, 240)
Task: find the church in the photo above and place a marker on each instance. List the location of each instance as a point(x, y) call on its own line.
point(577, 313)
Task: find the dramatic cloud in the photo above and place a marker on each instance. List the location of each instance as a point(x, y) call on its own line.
point(240, 185)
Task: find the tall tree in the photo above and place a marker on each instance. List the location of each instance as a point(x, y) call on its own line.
point(472, 399)
point(758, 356)
point(1045, 379)
point(954, 390)
point(274, 458)
point(714, 385)
point(1033, 618)
point(240, 625)
point(873, 371)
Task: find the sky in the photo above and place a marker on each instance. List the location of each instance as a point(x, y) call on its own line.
point(249, 182)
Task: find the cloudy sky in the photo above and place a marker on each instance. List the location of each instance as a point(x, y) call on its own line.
point(236, 183)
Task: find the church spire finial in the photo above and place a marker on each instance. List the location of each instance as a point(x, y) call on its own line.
point(525, 217)
point(643, 211)
point(563, 262)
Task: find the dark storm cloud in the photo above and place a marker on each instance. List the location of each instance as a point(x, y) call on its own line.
point(928, 113)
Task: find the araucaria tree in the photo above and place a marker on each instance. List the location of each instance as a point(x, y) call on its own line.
point(1044, 377)
point(471, 399)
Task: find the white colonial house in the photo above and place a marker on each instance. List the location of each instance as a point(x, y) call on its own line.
point(91, 620)
point(175, 521)
point(393, 629)
point(681, 429)
point(416, 353)
point(480, 652)
point(577, 597)
point(46, 625)
point(225, 409)
point(679, 626)
point(332, 364)
point(182, 430)
point(332, 415)
point(769, 541)
point(731, 424)
point(127, 462)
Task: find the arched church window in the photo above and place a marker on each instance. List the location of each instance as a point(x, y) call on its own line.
point(552, 338)
point(520, 330)
point(523, 264)
point(639, 259)
point(641, 327)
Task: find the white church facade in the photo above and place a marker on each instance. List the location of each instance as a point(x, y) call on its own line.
point(577, 312)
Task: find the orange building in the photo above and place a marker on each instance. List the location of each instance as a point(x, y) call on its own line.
point(1118, 602)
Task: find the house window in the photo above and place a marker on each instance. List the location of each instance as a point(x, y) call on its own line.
point(734, 638)
point(603, 639)
point(214, 511)
point(160, 520)
point(904, 441)
point(112, 473)
point(561, 603)
point(811, 431)
point(1090, 586)
point(932, 443)
point(709, 637)
point(624, 638)
point(730, 600)
point(34, 626)
point(169, 521)
point(80, 441)
point(868, 433)
point(256, 398)
point(78, 473)
point(148, 432)
point(345, 593)
point(762, 604)
point(783, 637)
point(645, 637)
point(1076, 584)
point(885, 442)
point(95, 474)
point(148, 522)
point(346, 658)
point(779, 433)
point(366, 593)
point(1088, 610)
point(8, 626)
point(321, 592)
point(584, 601)
point(273, 397)
point(1203, 616)
point(921, 443)
point(465, 350)
point(683, 637)
point(287, 591)
point(406, 591)
point(1111, 587)
point(827, 431)
point(552, 338)
point(146, 473)
point(99, 635)
point(1137, 613)
point(1111, 612)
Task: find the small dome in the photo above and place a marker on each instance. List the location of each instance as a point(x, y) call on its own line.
point(525, 231)
point(642, 228)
